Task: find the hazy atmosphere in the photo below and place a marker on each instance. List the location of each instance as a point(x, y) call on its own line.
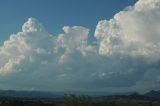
point(83, 45)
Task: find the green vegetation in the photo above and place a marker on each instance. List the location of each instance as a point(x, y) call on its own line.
point(72, 100)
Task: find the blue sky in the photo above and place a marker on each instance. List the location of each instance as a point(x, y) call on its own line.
point(54, 14)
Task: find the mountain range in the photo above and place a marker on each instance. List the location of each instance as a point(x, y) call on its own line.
point(41, 94)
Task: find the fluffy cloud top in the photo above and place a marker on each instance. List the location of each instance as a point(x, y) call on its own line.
point(126, 57)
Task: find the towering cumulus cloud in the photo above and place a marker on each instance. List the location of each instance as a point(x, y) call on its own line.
point(126, 57)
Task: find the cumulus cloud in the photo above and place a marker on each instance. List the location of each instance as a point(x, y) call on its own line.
point(126, 57)
point(135, 33)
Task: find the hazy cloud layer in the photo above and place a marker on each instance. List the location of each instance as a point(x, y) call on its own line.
point(126, 57)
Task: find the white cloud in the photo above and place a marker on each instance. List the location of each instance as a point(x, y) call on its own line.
point(126, 57)
point(134, 31)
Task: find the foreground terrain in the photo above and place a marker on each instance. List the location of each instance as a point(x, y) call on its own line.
point(27, 98)
point(132, 100)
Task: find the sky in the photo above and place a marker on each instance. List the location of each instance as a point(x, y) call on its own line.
point(54, 14)
point(105, 46)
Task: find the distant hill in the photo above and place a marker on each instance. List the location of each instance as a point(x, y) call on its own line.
point(155, 94)
point(29, 94)
point(39, 94)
